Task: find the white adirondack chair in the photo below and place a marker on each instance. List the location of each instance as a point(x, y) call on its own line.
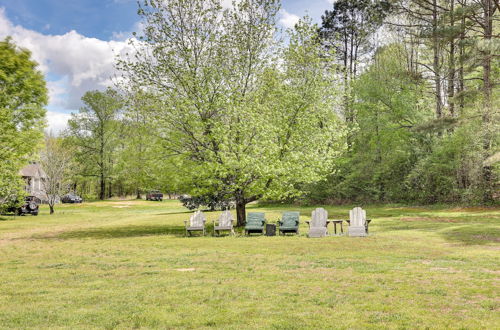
point(318, 226)
point(225, 223)
point(196, 223)
point(358, 224)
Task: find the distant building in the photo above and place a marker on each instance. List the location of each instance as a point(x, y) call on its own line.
point(33, 176)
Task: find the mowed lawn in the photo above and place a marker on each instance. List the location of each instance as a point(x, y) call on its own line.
point(127, 264)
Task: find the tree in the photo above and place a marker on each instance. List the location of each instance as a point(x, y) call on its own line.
point(237, 122)
point(140, 166)
point(23, 95)
point(93, 130)
point(349, 28)
point(54, 160)
point(482, 13)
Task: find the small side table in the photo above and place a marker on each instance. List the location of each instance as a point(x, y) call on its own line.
point(335, 222)
point(270, 229)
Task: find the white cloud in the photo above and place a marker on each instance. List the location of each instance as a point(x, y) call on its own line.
point(80, 63)
point(57, 121)
point(287, 19)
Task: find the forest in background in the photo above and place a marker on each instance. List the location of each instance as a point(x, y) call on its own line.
point(383, 102)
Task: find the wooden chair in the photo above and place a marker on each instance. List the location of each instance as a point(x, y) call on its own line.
point(225, 223)
point(318, 226)
point(195, 223)
point(255, 223)
point(289, 223)
point(358, 224)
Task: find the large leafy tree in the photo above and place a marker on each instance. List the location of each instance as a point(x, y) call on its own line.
point(238, 122)
point(94, 132)
point(23, 95)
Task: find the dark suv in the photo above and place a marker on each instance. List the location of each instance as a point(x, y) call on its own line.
point(154, 195)
point(30, 206)
point(71, 198)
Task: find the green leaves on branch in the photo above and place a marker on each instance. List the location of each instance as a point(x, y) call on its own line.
point(23, 95)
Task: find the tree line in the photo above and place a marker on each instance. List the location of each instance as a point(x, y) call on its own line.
point(384, 101)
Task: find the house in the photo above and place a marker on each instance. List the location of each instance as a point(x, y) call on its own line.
point(33, 176)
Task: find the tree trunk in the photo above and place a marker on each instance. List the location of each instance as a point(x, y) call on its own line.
point(461, 86)
point(436, 65)
point(138, 194)
point(51, 207)
point(102, 188)
point(451, 69)
point(240, 212)
point(488, 8)
point(110, 189)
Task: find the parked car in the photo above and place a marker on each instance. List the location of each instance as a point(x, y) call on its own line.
point(71, 198)
point(154, 195)
point(30, 206)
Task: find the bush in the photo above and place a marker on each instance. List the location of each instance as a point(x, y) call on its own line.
point(212, 201)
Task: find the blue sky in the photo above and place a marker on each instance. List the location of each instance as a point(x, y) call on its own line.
point(75, 41)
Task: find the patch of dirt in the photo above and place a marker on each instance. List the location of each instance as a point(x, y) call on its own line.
point(124, 203)
point(475, 209)
point(121, 206)
point(487, 238)
point(428, 219)
point(443, 269)
point(186, 269)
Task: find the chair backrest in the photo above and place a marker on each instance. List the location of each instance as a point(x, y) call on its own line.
point(225, 219)
point(255, 218)
point(319, 217)
point(290, 219)
point(197, 219)
point(357, 216)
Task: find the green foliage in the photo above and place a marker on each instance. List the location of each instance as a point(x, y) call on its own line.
point(389, 103)
point(23, 95)
point(239, 121)
point(93, 132)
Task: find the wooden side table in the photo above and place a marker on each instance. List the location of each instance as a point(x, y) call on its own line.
point(335, 222)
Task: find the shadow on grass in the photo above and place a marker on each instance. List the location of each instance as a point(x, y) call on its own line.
point(473, 235)
point(7, 217)
point(453, 230)
point(123, 232)
point(181, 212)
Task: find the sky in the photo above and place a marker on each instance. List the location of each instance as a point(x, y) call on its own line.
point(75, 42)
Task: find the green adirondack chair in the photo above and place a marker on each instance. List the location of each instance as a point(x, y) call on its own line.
point(255, 223)
point(289, 223)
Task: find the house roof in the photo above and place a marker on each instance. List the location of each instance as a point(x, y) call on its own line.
point(32, 170)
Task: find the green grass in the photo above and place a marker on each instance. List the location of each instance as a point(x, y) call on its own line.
point(126, 264)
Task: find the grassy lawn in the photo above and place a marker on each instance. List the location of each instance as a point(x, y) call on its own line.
point(124, 264)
